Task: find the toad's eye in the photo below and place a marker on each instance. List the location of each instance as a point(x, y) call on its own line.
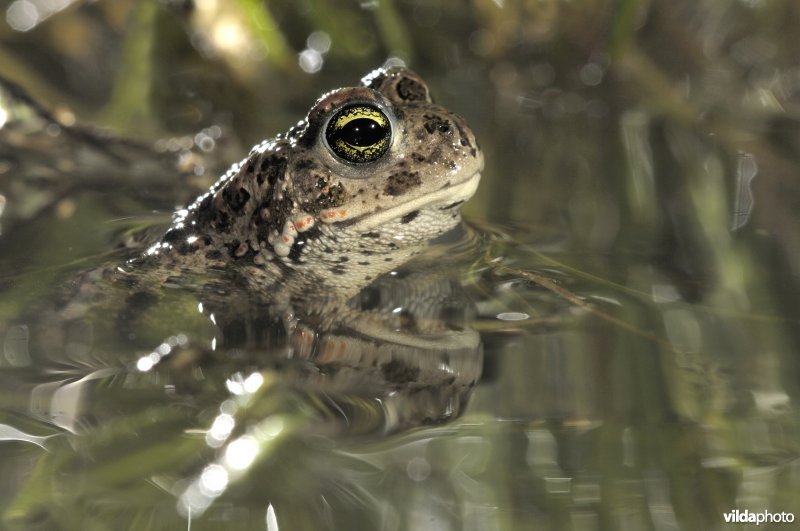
point(359, 133)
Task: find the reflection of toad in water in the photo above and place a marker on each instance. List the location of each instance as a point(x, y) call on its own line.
point(274, 399)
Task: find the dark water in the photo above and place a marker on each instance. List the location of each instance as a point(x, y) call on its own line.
point(610, 342)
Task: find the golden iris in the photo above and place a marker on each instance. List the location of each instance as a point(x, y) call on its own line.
point(359, 133)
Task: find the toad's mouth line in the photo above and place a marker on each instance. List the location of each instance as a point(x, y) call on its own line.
point(449, 195)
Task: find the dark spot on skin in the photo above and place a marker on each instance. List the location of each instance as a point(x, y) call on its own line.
point(174, 236)
point(401, 182)
point(408, 218)
point(367, 277)
point(398, 372)
point(223, 222)
point(301, 241)
point(387, 259)
point(392, 245)
point(367, 253)
point(272, 168)
point(465, 141)
point(334, 197)
point(328, 250)
point(363, 263)
point(417, 157)
point(337, 270)
point(436, 123)
point(371, 235)
point(205, 213)
point(235, 197)
point(411, 90)
point(343, 259)
point(296, 250)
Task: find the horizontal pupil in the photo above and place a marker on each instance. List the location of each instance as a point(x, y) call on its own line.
point(362, 132)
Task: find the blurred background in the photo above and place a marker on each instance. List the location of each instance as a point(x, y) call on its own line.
point(642, 154)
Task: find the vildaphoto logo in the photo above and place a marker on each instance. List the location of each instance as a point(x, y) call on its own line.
point(764, 517)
